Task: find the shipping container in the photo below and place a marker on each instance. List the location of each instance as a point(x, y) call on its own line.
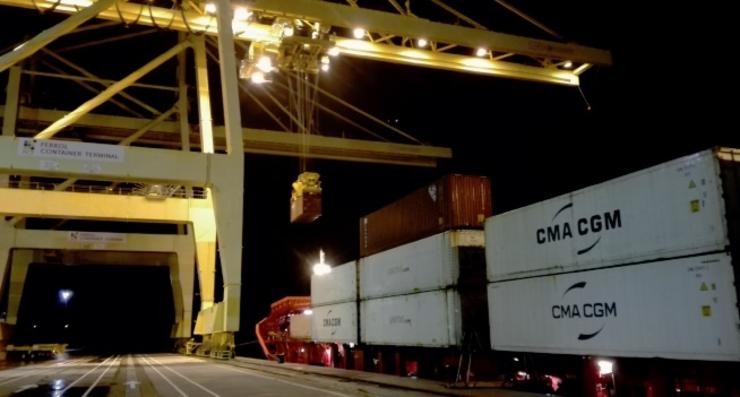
point(683, 308)
point(453, 202)
point(429, 319)
point(305, 208)
point(428, 264)
point(335, 323)
point(678, 208)
point(300, 326)
point(338, 286)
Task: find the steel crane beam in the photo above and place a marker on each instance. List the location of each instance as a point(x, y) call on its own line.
point(374, 21)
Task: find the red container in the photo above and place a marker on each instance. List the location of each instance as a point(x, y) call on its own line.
point(452, 202)
point(305, 208)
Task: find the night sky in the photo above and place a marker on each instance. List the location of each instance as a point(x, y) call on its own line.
point(534, 141)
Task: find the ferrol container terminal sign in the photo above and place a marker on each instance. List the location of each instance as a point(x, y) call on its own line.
point(69, 150)
point(96, 237)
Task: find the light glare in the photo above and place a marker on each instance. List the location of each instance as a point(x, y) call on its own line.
point(605, 367)
point(265, 64)
point(242, 14)
point(358, 33)
point(258, 78)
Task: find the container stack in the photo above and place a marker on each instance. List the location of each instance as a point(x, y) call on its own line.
point(640, 266)
point(334, 302)
point(409, 295)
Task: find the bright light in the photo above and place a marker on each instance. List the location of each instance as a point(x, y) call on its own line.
point(288, 31)
point(264, 64)
point(66, 325)
point(211, 8)
point(325, 60)
point(65, 295)
point(321, 268)
point(568, 64)
point(351, 345)
point(303, 350)
point(242, 13)
point(422, 42)
point(325, 68)
point(605, 367)
point(334, 51)
point(308, 312)
point(34, 325)
point(358, 33)
point(481, 52)
point(58, 384)
point(516, 359)
point(258, 78)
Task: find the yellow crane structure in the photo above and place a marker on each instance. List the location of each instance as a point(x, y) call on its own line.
point(205, 163)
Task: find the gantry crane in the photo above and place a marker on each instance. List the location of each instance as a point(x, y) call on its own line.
point(294, 35)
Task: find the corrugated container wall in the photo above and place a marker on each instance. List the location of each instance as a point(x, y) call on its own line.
point(669, 210)
point(430, 319)
point(428, 264)
point(455, 201)
point(335, 323)
point(338, 286)
point(683, 308)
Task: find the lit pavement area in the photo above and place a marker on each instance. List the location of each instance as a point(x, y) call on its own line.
point(175, 375)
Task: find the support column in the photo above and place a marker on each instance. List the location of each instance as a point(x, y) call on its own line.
point(228, 173)
point(10, 114)
point(204, 233)
point(182, 97)
point(21, 259)
point(7, 238)
point(204, 95)
point(182, 273)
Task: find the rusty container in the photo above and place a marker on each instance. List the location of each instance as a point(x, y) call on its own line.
point(305, 208)
point(452, 202)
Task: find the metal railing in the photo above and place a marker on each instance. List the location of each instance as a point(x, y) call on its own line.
point(178, 192)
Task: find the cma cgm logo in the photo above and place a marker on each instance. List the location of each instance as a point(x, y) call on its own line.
point(589, 225)
point(596, 310)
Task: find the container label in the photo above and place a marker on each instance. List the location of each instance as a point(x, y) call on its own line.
point(591, 310)
point(562, 228)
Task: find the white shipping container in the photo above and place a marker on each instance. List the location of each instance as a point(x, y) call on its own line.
point(300, 326)
point(666, 211)
point(680, 308)
point(335, 323)
point(429, 319)
point(428, 264)
point(338, 286)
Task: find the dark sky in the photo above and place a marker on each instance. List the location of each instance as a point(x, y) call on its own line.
point(667, 94)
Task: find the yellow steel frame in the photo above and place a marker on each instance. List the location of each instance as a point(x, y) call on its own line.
point(222, 174)
point(23, 243)
point(389, 24)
